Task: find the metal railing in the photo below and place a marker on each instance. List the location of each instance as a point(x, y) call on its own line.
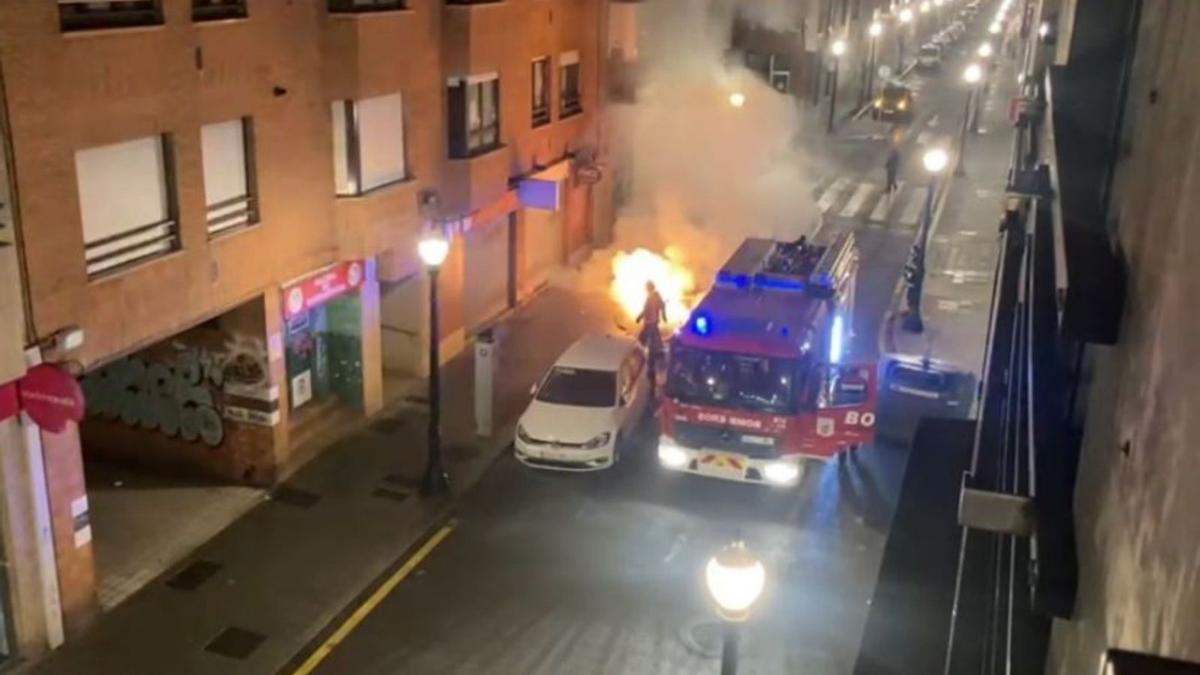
point(75, 15)
point(112, 253)
point(356, 6)
point(218, 10)
point(231, 214)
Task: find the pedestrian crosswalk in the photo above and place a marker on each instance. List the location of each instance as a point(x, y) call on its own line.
point(848, 199)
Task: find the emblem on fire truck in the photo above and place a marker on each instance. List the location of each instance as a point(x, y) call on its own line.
point(825, 427)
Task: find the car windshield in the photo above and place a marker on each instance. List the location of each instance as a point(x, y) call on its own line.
point(893, 93)
point(727, 380)
point(579, 387)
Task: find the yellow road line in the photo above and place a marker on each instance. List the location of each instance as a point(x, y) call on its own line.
point(372, 602)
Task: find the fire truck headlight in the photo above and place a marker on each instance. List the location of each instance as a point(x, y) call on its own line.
point(780, 473)
point(671, 455)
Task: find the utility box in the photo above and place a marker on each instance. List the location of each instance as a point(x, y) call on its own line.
point(486, 359)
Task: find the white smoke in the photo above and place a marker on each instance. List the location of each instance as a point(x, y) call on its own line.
point(706, 174)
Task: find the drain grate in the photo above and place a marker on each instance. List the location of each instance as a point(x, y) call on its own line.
point(294, 496)
point(191, 577)
point(235, 643)
point(389, 494)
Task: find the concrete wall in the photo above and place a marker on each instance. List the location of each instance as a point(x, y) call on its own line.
point(1136, 500)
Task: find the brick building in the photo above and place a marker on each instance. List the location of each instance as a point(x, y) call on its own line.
point(223, 199)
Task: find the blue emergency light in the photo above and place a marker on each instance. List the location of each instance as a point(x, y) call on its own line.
point(701, 325)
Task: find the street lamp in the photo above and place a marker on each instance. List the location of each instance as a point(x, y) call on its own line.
point(934, 160)
point(735, 579)
point(433, 250)
point(994, 29)
point(874, 30)
point(906, 17)
point(972, 76)
point(985, 50)
point(737, 99)
point(837, 49)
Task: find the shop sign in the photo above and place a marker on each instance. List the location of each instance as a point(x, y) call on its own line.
point(321, 287)
point(51, 396)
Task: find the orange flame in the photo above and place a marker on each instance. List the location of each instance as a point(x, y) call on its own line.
point(675, 282)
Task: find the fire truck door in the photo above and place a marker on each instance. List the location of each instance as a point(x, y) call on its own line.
point(846, 404)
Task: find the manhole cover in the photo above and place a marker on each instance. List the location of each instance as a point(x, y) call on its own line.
point(235, 643)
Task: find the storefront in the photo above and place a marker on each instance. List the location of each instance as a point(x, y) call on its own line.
point(323, 341)
point(542, 197)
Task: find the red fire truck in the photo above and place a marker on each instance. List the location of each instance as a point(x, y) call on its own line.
point(755, 379)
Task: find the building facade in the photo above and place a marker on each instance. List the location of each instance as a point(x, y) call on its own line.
point(212, 221)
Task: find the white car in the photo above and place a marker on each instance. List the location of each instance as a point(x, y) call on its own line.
point(585, 408)
point(930, 56)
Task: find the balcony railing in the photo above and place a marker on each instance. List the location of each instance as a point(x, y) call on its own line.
point(75, 15)
point(541, 115)
point(572, 104)
point(126, 248)
point(218, 10)
point(359, 6)
point(231, 214)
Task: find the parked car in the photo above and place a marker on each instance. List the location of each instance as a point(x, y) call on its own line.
point(930, 56)
point(911, 387)
point(895, 104)
point(586, 406)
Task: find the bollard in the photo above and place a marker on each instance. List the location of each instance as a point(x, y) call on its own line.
point(486, 359)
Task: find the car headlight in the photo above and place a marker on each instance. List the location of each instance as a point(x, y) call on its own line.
point(878, 103)
point(523, 435)
point(598, 442)
point(902, 105)
point(671, 456)
point(781, 473)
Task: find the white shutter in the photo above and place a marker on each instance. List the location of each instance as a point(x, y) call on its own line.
point(226, 186)
point(381, 146)
point(343, 180)
point(121, 187)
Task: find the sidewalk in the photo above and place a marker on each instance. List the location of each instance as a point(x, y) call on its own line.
point(261, 590)
point(963, 245)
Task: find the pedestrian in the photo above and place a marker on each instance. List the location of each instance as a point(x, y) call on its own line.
point(654, 313)
point(892, 167)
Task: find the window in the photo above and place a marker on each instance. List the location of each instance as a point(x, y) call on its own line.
point(741, 381)
point(338, 6)
point(568, 85)
point(474, 109)
point(216, 10)
point(127, 203)
point(89, 15)
point(579, 387)
point(541, 91)
point(368, 144)
point(229, 185)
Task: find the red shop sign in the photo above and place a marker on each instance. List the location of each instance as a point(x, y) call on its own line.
point(51, 396)
point(321, 287)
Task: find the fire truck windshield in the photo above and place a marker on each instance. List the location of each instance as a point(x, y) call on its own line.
point(728, 380)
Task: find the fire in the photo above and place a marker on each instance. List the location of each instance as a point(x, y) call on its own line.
point(674, 281)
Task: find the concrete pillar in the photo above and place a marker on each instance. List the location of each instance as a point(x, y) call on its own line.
point(62, 456)
point(25, 534)
point(275, 329)
point(372, 340)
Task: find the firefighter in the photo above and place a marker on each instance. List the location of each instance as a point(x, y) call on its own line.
point(654, 312)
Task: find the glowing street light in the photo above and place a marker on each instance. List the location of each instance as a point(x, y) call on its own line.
point(433, 251)
point(875, 29)
point(985, 50)
point(925, 7)
point(1044, 29)
point(868, 90)
point(973, 73)
point(906, 15)
point(735, 580)
point(837, 49)
point(994, 29)
point(934, 160)
point(737, 99)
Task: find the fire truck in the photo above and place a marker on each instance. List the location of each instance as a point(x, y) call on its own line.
point(756, 381)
